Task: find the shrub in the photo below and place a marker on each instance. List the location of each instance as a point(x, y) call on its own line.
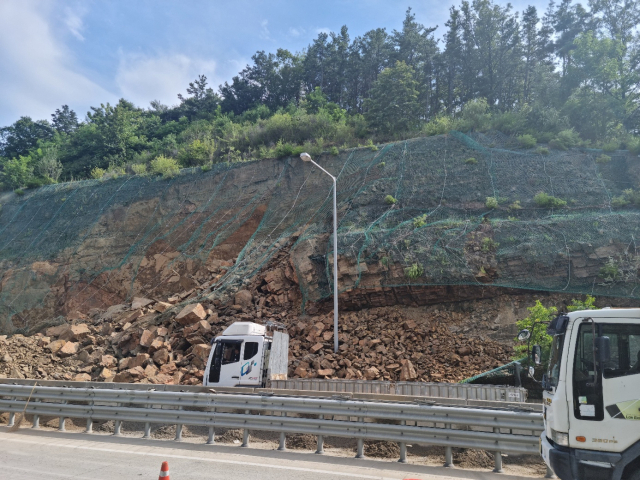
point(18, 191)
point(206, 167)
point(334, 150)
point(414, 271)
point(610, 146)
point(542, 150)
point(537, 314)
point(139, 168)
point(381, 165)
point(603, 159)
point(471, 161)
point(527, 141)
point(385, 261)
point(97, 173)
point(283, 149)
point(588, 304)
point(566, 139)
point(634, 146)
point(610, 271)
point(491, 202)
point(620, 201)
point(488, 245)
point(420, 221)
point(389, 200)
point(547, 201)
point(165, 166)
point(515, 206)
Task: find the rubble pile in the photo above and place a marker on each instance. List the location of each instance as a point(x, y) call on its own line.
point(168, 341)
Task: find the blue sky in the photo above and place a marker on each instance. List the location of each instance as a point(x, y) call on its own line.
point(87, 52)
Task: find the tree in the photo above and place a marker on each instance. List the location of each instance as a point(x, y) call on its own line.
point(64, 120)
point(48, 166)
point(393, 106)
point(203, 101)
point(539, 315)
point(16, 172)
point(21, 137)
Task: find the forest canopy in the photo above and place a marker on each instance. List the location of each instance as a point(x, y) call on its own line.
point(567, 77)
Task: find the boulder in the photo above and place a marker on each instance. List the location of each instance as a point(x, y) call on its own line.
point(244, 298)
point(191, 314)
point(139, 360)
point(408, 372)
point(140, 302)
point(56, 345)
point(162, 306)
point(108, 361)
point(146, 338)
point(161, 356)
point(106, 375)
point(202, 351)
point(82, 377)
point(69, 349)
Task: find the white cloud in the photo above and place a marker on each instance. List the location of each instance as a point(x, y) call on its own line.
point(142, 79)
point(73, 21)
point(296, 32)
point(37, 73)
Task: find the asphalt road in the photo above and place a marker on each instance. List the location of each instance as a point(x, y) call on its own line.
point(29, 454)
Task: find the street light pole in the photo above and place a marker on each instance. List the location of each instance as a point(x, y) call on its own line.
point(307, 158)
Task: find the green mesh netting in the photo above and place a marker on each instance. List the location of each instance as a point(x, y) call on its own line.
point(506, 370)
point(79, 243)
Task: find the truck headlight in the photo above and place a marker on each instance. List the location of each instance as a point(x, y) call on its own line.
point(560, 438)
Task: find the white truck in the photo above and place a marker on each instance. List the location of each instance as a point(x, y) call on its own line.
point(592, 395)
point(248, 355)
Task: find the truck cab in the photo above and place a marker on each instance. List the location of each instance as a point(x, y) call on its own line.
point(247, 355)
point(592, 396)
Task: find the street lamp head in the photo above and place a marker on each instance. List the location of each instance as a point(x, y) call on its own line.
point(305, 157)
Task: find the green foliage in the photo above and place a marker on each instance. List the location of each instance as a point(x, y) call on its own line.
point(414, 271)
point(98, 173)
point(545, 200)
point(515, 206)
point(471, 161)
point(385, 261)
point(603, 158)
point(165, 166)
point(587, 304)
point(476, 116)
point(488, 245)
point(334, 151)
point(139, 168)
point(18, 191)
point(527, 141)
point(566, 139)
point(629, 196)
point(610, 272)
point(491, 202)
point(16, 172)
point(610, 146)
point(542, 150)
point(420, 221)
point(381, 165)
point(389, 200)
point(620, 201)
point(537, 314)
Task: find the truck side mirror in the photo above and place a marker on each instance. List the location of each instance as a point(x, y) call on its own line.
point(603, 349)
point(536, 354)
point(532, 371)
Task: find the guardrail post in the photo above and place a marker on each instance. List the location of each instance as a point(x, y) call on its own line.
point(36, 418)
point(283, 438)
point(61, 427)
point(245, 434)
point(403, 448)
point(550, 473)
point(89, 428)
point(497, 456)
point(360, 453)
point(448, 452)
point(320, 448)
point(211, 437)
point(179, 429)
point(12, 416)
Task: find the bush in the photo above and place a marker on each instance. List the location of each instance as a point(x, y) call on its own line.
point(587, 304)
point(414, 271)
point(471, 161)
point(547, 201)
point(381, 165)
point(610, 271)
point(566, 139)
point(542, 150)
point(610, 146)
point(491, 202)
point(603, 159)
point(488, 245)
point(18, 191)
point(139, 168)
point(389, 200)
point(165, 166)
point(283, 149)
point(420, 221)
point(334, 150)
point(515, 206)
point(634, 146)
point(620, 201)
point(537, 314)
point(98, 173)
point(527, 141)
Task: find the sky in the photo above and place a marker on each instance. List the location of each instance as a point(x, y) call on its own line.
point(86, 52)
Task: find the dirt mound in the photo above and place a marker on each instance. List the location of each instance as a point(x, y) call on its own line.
point(380, 449)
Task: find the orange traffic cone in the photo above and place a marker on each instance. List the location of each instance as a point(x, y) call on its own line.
point(164, 471)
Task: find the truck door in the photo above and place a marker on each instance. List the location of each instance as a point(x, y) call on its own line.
point(224, 370)
point(606, 412)
point(251, 363)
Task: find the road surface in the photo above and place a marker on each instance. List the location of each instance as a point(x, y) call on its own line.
point(29, 454)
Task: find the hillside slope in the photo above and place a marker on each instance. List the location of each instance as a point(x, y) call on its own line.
point(91, 244)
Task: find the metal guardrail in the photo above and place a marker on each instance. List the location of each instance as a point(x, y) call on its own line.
point(409, 422)
point(494, 393)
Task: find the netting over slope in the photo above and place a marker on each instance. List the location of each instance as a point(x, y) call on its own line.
point(93, 243)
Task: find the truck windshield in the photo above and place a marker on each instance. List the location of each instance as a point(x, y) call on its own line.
point(553, 374)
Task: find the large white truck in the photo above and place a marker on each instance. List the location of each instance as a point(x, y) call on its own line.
point(592, 395)
point(248, 355)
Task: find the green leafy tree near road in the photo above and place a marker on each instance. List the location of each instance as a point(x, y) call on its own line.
point(393, 106)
